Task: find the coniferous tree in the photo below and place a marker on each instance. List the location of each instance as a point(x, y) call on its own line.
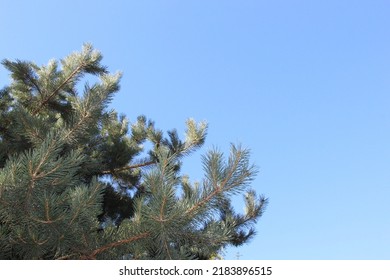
point(76, 182)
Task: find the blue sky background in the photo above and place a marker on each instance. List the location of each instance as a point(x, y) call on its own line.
point(304, 84)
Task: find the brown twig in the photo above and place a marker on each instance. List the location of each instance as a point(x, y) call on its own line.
point(116, 244)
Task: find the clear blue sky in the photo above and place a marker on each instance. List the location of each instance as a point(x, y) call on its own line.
point(304, 84)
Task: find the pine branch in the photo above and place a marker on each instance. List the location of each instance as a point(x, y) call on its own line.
point(217, 191)
point(77, 126)
point(32, 81)
point(75, 72)
point(167, 250)
point(116, 244)
point(232, 170)
point(229, 173)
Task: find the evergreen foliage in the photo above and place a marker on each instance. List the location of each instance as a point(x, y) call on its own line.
point(76, 182)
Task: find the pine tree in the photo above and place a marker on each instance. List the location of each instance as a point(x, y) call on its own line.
point(77, 183)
